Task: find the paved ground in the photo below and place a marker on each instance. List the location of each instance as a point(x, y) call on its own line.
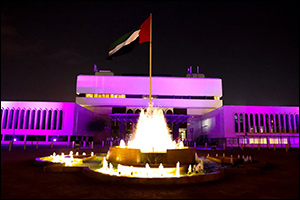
point(21, 179)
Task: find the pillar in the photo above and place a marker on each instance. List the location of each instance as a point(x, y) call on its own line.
point(121, 130)
point(175, 130)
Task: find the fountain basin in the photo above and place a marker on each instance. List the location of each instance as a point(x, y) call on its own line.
point(134, 157)
point(188, 179)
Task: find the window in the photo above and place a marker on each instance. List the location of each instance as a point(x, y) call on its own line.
point(5, 118)
point(251, 123)
point(292, 123)
point(241, 123)
point(60, 120)
point(287, 128)
point(282, 123)
point(246, 123)
point(267, 123)
point(273, 141)
point(272, 123)
point(297, 123)
point(36, 138)
point(44, 119)
point(16, 119)
point(11, 118)
point(60, 138)
point(169, 112)
point(27, 119)
point(236, 123)
point(32, 119)
point(22, 119)
point(38, 119)
point(262, 123)
point(49, 119)
point(277, 123)
point(256, 123)
point(54, 119)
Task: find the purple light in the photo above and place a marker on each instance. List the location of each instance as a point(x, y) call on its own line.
point(15, 139)
point(54, 139)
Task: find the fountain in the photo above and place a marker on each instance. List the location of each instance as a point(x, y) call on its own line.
point(149, 157)
point(152, 157)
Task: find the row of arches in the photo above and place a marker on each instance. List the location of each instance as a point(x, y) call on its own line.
point(31, 119)
point(266, 123)
point(137, 111)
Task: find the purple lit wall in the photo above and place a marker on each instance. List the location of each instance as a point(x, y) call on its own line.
point(250, 121)
point(134, 85)
point(27, 120)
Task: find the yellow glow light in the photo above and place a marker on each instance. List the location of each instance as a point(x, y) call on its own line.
point(152, 133)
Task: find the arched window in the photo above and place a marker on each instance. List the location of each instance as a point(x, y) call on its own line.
point(262, 123)
point(282, 123)
point(297, 123)
point(169, 112)
point(137, 111)
point(32, 119)
point(44, 119)
point(272, 123)
point(11, 118)
point(256, 123)
point(287, 128)
point(277, 123)
point(246, 123)
point(49, 119)
point(27, 119)
point(267, 123)
point(22, 119)
point(60, 120)
point(38, 121)
point(251, 123)
point(236, 129)
point(16, 119)
point(129, 111)
point(54, 119)
point(241, 123)
point(292, 123)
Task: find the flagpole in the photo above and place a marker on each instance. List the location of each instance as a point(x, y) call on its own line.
point(150, 59)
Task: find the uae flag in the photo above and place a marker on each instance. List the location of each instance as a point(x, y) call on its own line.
point(127, 42)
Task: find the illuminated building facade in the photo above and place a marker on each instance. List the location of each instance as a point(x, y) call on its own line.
point(192, 105)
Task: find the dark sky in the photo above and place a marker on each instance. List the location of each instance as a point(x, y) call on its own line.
point(253, 46)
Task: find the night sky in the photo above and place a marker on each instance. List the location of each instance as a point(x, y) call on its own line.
point(253, 46)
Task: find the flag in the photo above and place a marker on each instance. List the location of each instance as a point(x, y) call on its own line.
point(126, 43)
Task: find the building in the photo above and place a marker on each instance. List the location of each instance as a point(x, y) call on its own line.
point(192, 105)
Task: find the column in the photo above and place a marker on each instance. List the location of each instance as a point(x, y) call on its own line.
point(244, 123)
point(238, 123)
point(175, 130)
point(30, 115)
point(19, 119)
point(52, 120)
point(279, 123)
point(8, 118)
point(121, 130)
point(133, 124)
point(47, 116)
